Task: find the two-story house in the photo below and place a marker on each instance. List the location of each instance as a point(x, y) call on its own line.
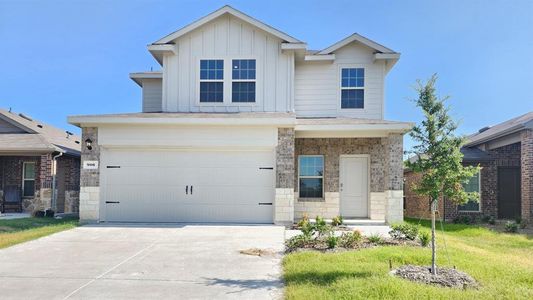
point(245, 124)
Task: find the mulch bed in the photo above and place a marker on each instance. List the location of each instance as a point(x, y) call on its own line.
point(445, 277)
point(321, 246)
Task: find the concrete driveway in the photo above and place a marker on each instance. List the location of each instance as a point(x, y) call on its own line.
point(145, 262)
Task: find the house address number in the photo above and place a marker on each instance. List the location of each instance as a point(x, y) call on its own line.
point(90, 165)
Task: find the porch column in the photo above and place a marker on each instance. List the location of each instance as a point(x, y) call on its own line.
point(526, 155)
point(284, 199)
point(44, 194)
point(90, 178)
point(394, 178)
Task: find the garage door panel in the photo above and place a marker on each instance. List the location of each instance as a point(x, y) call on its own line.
point(149, 186)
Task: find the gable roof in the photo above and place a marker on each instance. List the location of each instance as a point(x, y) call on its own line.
point(524, 121)
point(357, 38)
point(221, 11)
point(39, 136)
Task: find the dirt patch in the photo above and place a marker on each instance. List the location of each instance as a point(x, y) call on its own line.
point(258, 252)
point(445, 277)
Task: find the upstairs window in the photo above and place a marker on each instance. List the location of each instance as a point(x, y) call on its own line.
point(311, 176)
point(211, 80)
point(352, 88)
point(473, 185)
point(243, 80)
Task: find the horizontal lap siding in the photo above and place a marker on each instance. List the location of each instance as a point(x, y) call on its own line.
point(317, 85)
point(152, 95)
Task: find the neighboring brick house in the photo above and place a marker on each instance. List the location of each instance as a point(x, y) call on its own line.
point(505, 182)
point(29, 152)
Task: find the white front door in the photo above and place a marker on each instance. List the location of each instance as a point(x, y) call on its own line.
point(354, 186)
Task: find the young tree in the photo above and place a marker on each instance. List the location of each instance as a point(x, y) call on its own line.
point(437, 156)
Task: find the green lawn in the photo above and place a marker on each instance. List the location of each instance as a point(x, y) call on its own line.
point(21, 230)
point(502, 263)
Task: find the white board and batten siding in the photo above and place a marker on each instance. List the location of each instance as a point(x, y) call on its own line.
point(317, 85)
point(228, 38)
point(152, 93)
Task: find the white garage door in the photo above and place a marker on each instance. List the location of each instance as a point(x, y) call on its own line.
point(187, 186)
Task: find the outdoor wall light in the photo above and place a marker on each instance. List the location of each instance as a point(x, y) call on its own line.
point(89, 144)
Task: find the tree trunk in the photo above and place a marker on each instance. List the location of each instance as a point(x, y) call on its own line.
point(433, 245)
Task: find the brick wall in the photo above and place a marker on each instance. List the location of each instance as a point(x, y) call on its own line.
point(506, 156)
point(527, 174)
point(386, 174)
point(89, 196)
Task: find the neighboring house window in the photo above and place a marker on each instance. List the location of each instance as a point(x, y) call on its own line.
point(28, 179)
point(243, 80)
point(311, 176)
point(473, 185)
point(211, 80)
point(352, 88)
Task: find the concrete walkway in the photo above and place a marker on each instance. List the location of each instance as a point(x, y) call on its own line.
point(145, 262)
point(11, 216)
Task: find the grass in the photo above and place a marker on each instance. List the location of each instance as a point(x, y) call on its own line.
point(18, 231)
point(502, 263)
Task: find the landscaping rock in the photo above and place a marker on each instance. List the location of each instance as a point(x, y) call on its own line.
point(445, 277)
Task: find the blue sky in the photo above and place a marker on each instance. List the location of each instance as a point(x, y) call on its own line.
point(60, 58)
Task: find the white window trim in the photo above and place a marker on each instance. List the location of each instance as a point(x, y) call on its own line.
point(199, 81)
point(323, 173)
point(243, 80)
point(479, 192)
point(340, 88)
point(24, 179)
point(227, 82)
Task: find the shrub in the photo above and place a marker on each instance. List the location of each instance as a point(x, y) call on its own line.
point(424, 237)
point(332, 241)
point(350, 239)
point(511, 227)
point(375, 238)
point(492, 220)
point(307, 229)
point(485, 219)
point(321, 227)
point(298, 241)
point(465, 220)
point(518, 220)
point(523, 224)
point(303, 221)
point(404, 231)
point(338, 220)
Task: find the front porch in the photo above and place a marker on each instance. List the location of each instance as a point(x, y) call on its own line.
point(25, 185)
point(354, 170)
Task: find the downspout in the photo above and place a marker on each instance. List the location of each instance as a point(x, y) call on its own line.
point(54, 194)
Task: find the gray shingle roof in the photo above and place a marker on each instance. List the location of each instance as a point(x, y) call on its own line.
point(40, 137)
point(511, 126)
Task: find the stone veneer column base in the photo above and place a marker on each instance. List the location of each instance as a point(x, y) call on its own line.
point(378, 201)
point(89, 204)
point(327, 208)
point(394, 212)
point(284, 206)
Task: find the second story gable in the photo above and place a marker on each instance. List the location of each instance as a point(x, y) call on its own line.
point(230, 62)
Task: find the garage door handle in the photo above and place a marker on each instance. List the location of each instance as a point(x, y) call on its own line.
point(191, 189)
point(187, 190)
point(265, 203)
point(112, 202)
